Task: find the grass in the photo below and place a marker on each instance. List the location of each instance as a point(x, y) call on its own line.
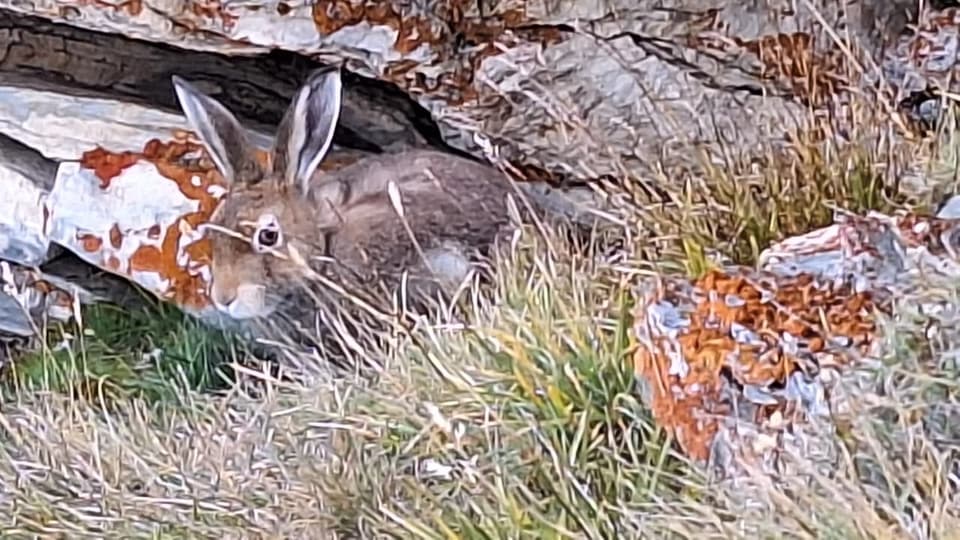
point(737, 210)
point(525, 424)
point(526, 427)
point(151, 354)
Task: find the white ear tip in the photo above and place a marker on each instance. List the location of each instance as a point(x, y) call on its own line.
point(327, 78)
point(181, 86)
point(186, 94)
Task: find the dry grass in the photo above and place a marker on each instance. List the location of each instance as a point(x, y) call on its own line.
point(525, 424)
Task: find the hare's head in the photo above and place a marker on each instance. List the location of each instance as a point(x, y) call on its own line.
point(267, 204)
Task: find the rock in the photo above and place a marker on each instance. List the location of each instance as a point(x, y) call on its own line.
point(133, 210)
point(568, 88)
point(950, 208)
point(726, 358)
point(26, 177)
point(27, 298)
point(56, 59)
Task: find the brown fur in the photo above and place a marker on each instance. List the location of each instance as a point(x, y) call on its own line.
point(454, 207)
point(348, 216)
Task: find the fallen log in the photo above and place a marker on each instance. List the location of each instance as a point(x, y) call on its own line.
point(68, 61)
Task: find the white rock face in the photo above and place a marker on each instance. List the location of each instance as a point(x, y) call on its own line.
point(577, 87)
point(22, 237)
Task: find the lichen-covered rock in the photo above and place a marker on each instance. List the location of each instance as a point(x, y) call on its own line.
point(137, 213)
point(557, 87)
point(28, 297)
point(25, 176)
point(25, 298)
point(741, 343)
point(734, 363)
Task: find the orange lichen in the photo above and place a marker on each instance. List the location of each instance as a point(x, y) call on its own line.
point(107, 165)
point(146, 259)
point(90, 242)
point(200, 251)
point(444, 28)
point(770, 307)
point(412, 30)
point(41, 285)
point(213, 9)
point(168, 159)
point(113, 263)
point(191, 287)
point(116, 237)
point(194, 179)
point(332, 15)
point(132, 7)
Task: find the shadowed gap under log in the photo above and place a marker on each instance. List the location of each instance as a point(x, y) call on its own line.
point(41, 55)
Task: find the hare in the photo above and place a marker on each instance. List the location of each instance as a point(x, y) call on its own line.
point(421, 214)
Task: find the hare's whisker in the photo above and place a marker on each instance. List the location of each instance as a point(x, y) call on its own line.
point(394, 193)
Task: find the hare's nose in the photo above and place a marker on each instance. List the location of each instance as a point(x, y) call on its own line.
point(223, 297)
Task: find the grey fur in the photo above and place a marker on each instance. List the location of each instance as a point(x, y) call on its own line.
point(345, 221)
point(225, 141)
point(314, 110)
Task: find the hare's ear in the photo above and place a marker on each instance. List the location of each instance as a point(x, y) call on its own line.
point(306, 131)
point(224, 138)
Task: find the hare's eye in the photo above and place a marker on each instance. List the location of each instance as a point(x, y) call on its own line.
point(268, 237)
point(267, 234)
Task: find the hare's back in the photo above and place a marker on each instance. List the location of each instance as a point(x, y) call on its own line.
point(414, 170)
point(448, 203)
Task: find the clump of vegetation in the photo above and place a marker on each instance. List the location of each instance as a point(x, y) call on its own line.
point(151, 353)
point(527, 425)
point(737, 210)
